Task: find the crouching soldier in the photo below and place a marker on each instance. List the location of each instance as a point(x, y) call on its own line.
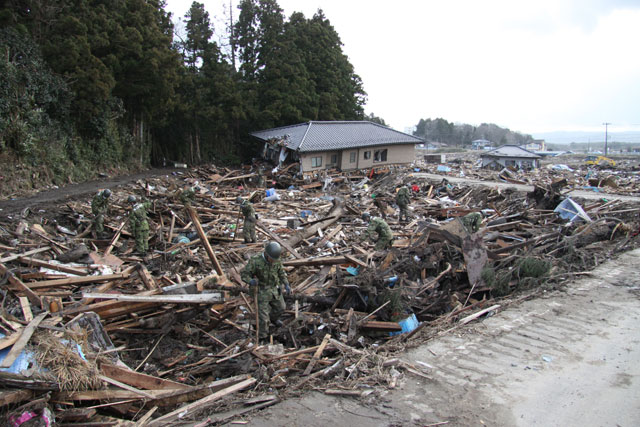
point(472, 221)
point(379, 226)
point(264, 273)
point(139, 224)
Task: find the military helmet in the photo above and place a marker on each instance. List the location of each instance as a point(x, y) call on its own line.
point(366, 216)
point(239, 200)
point(131, 199)
point(273, 250)
point(106, 193)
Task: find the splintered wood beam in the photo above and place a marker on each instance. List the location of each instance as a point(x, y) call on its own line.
point(381, 326)
point(264, 229)
point(33, 297)
point(75, 281)
point(32, 252)
point(205, 242)
point(141, 381)
point(160, 299)
point(57, 267)
point(25, 336)
point(115, 238)
point(201, 404)
point(146, 277)
point(8, 397)
point(331, 260)
point(317, 354)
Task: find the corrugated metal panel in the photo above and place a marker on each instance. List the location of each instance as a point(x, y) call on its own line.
point(324, 136)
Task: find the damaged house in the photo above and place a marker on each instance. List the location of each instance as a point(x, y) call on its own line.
point(346, 145)
point(510, 155)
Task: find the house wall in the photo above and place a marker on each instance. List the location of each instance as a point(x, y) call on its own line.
point(395, 154)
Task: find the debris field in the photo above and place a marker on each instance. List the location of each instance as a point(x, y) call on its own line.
point(93, 333)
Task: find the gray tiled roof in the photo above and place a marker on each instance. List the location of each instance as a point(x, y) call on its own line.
point(510, 151)
point(325, 136)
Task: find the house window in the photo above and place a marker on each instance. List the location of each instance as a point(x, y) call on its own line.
point(380, 155)
point(352, 157)
point(316, 162)
point(334, 159)
point(367, 155)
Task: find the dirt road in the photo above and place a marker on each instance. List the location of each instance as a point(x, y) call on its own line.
point(584, 194)
point(571, 358)
point(47, 199)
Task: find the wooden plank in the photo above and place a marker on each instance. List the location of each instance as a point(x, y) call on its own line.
point(264, 229)
point(203, 238)
point(9, 341)
point(146, 277)
point(115, 238)
point(329, 236)
point(160, 299)
point(143, 381)
point(75, 281)
point(317, 355)
point(26, 309)
point(22, 341)
point(117, 383)
point(382, 326)
point(56, 267)
point(330, 260)
point(65, 396)
point(33, 297)
point(355, 261)
point(32, 252)
point(474, 316)
point(200, 404)
point(8, 397)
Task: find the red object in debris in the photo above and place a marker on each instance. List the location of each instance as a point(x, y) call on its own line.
point(415, 188)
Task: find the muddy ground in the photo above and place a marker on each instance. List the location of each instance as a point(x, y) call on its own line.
point(51, 199)
point(567, 358)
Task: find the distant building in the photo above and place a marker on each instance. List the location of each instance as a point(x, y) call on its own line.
point(535, 145)
point(481, 144)
point(340, 145)
point(510, 155)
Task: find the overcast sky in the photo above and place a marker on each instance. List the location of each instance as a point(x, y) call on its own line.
point(531, 66)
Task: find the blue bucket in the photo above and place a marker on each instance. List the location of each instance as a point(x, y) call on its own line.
point(271, 192)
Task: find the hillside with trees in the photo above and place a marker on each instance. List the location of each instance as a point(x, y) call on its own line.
point(461, 135)
point(89, 85)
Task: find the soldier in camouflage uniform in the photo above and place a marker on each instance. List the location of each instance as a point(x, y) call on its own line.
point(265, 272)
point(250, 217)
point(379, 226)
point(381, 202)
point(187, 196)
point(99, 206)
point(139, 224)
point(472, 221)
point(403, 198)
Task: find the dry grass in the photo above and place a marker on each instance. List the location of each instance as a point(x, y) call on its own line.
point(58, 355)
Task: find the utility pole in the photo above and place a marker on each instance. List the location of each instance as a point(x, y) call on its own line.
point(606, 136)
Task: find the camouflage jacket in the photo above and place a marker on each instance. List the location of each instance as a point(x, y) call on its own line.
point(138, 216)
point(248, 212)
point(403, 197)
point(380, 226)
point(187, 196)
point(99, 204)
point(270, 275)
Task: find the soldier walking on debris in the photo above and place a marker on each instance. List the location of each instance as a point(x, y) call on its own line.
point(472, 221)
point(379, 226)
point(139, 224)
point(403, 198)
point(250, 218)
point(380, 202)
point(265, 273)
point(99, 206)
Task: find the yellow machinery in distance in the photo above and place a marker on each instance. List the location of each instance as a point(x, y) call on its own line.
point(599, 161)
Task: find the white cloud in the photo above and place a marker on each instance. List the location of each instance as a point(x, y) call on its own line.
point(526, 65)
